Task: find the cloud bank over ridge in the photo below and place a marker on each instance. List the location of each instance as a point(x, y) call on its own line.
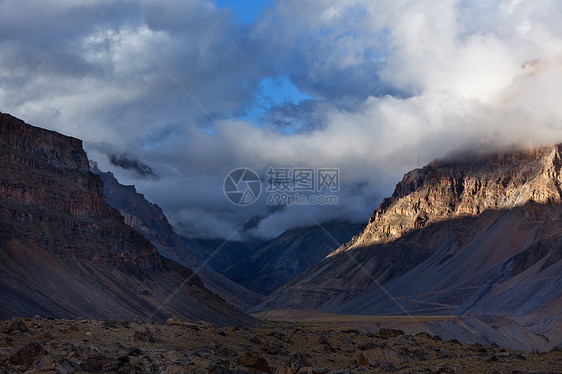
point(374, 88)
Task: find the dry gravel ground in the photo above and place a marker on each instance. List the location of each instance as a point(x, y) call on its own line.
point(42, 345)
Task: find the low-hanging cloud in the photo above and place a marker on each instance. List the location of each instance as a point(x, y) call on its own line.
point(124, 161)
point(390, 85)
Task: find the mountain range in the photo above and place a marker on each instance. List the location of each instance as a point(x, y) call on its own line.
point(66, 253)
point(149, 220)
point(471, 235)
point(474, 235)
point(277, 261)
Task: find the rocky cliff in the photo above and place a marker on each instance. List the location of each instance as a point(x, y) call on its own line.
point(465, 186)
point(66, 253)
point(149, 220)
point(45, 183)
point(479, 234)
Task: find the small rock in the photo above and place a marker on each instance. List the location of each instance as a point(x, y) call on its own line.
point(390, 333)
point(116, 364)
point(364, 345)
point(206, 325)
point(27, 354)
point(94, 363)
point(446, 368)
point(445, 353)
point(174, 321)
point(45, 363)
point(65, 367)
point(145, 335)
point(294, 364)
point(378, 356)
point(271, 347)
point(219, 367)
point(221, 332)
point(311, 370)
point(175, 369)
point(423, 335)
point(223, 351)
point(15, 324)
point(109, 324)
point(135, 352)
point(255, 361)
point(323, 340)
point(350, 331)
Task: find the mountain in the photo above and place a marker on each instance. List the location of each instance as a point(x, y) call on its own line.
point(206, 251)
point(64, 252)
point(149, 220)
point(472, 235)
point(276, 262)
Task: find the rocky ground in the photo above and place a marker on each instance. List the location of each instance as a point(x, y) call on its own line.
point(73, 346)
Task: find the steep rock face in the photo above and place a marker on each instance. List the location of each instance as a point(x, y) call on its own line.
point(149, 220)
point(145, 217)
point(66, 253)
point(45, 182)
point(479, 236)
point(279, 260)
point(464, 187)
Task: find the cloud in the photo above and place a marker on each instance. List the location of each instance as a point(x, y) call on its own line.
point(140, 168)
point(374, 88)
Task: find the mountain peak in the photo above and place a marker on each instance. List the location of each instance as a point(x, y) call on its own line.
point(64, 252)
point(465, 185)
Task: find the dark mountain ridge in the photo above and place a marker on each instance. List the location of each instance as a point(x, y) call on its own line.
point(64, 252)
point(149, 220)
point(279, 260)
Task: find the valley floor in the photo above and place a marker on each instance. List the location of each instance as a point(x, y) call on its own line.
point(70, 346)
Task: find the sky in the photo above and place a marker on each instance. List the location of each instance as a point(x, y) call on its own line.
point(171, 96)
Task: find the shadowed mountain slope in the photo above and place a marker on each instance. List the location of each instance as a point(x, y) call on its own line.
point(480, 235)
point(279, 260)
point(205, 250)
point(149, 220)
point(64, 252)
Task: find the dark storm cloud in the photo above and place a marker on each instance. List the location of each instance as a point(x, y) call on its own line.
point(140, 168)
point(391, 85)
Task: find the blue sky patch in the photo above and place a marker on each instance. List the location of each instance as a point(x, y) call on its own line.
point(273, 92)
point(245, 11)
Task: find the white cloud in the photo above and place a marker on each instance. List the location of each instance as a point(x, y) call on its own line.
point(394, 85)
